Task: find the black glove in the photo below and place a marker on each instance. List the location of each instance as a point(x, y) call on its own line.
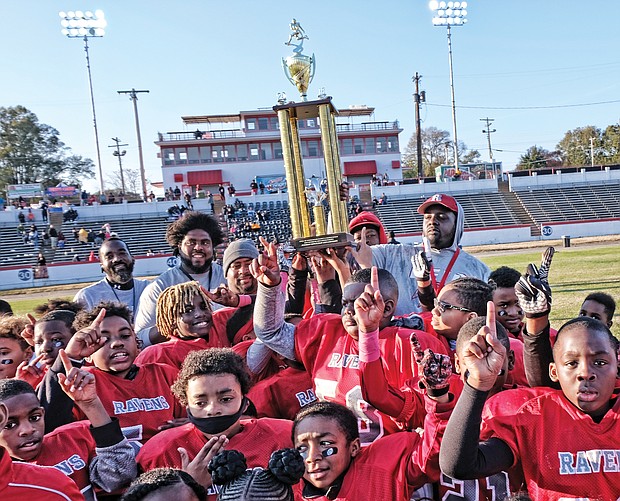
point(434, 369)
point(421, 266)
point(533, 289)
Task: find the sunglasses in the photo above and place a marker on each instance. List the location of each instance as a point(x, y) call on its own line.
point(442, 306)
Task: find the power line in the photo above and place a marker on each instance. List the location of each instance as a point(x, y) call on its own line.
point(526, 107)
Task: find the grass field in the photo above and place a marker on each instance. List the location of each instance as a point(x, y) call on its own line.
point(574, 273)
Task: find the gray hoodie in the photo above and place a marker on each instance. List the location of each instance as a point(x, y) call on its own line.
point(397, 260)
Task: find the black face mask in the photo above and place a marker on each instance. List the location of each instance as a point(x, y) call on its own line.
point(216, 425)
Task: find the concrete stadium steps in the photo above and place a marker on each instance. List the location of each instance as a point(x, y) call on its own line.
point(140, 234)
point(572, 203)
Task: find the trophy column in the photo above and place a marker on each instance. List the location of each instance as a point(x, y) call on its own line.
point(329, 140)
point(293, 167)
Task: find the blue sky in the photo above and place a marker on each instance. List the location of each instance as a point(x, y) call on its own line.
point(524, 63)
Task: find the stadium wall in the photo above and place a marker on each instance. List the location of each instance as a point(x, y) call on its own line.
point(22, 277)
point(594, 228)
point(562, 179)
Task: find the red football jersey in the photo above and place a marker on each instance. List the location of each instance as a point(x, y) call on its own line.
point(257, 440)
point(516, 377)
point(283, 394)
point(331, 357)
point(20, 481)
point(70, 450)
point(563, 452)
point(392, 467)
point(141, 405)
point(174, 351)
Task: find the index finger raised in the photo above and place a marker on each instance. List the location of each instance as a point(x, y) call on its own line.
point(66, 362)
point(98, 319)
point(374, 278)
point(490, 321)
point(31, 319)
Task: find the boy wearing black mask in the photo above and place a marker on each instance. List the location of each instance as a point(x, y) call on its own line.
point(213, 385)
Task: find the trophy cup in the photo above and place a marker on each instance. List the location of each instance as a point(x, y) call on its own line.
point(299, 70)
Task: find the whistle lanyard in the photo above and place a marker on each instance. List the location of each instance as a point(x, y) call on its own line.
point(445, 274)
point(133, 291)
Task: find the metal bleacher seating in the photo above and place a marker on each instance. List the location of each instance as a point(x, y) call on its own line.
point(481, 210)
point(572, 203)
point(140, 232)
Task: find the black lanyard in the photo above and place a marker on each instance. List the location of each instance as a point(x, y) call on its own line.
point(191, 279)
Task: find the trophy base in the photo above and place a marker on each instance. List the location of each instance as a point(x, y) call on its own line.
point(331, 240)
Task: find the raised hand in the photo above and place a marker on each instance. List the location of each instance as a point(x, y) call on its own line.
point(363, 252)
point(484, 354)
point(533, 288)
point(28, 332)
point(299, 262)
point(339, 263)
point(78, 384)
point(265, 267)
point(87, 341)
point(421, 266)
point(322, 268)
point(434, 369)
point(222, 295)
point(29, 372)
point(369, 307)
point(197, 467)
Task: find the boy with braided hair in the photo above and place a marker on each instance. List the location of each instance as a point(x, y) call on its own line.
point(186, 319)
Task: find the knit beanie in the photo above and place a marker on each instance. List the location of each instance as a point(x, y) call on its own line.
point(244, 247)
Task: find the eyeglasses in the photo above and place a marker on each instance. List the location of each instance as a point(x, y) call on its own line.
point(442, 306)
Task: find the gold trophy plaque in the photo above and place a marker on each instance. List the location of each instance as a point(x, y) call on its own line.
point(299, 69)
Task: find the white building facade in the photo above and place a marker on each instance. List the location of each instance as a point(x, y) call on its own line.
point(236, 149)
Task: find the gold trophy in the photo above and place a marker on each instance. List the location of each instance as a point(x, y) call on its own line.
point(299, 69)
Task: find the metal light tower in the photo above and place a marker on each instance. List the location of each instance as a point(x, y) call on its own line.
point(119, 153)
point(450, 14)
point(85, 25)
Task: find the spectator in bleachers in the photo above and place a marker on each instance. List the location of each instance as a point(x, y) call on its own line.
point(21, 217)
point(53, 233)
point(444, 221)
point(119, 285)
point(392, 238)
point(192, 238)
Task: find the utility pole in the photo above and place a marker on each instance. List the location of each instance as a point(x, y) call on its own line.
point(488, 131)
point(118, 153)
point(592, 151)
point(133, 95)
point(418, 98)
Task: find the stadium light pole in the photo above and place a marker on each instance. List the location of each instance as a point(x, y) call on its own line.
point(85, 25)
point(450, 14)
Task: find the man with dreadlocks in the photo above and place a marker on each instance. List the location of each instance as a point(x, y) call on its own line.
point(193, 239)
point(185, 318)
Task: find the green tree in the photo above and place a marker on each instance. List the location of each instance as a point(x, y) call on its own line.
point(574, 148)
point(537, 158)
point(437, 149)
point(32, 152)
point(610, 145)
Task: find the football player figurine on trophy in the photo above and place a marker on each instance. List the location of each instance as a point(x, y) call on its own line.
point(299, 69)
